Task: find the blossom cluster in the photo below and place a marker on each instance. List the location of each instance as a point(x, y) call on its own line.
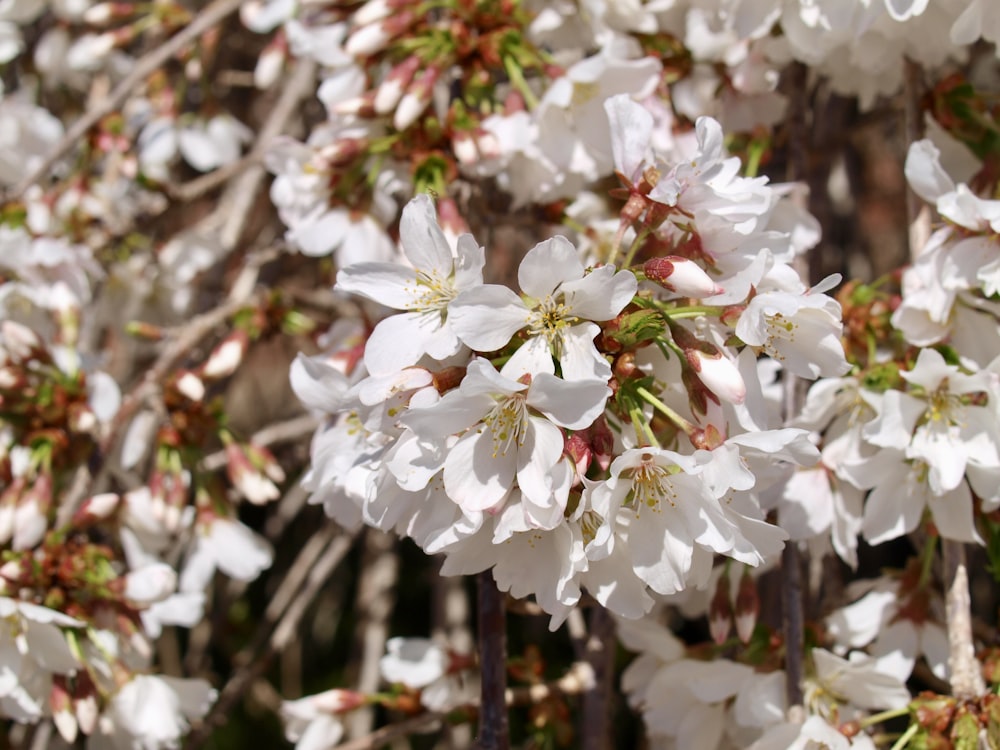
point(616, 421)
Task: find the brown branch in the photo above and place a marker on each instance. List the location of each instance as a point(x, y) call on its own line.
point(494, 733)
point(281, 619)
point(173, 352)
point(149, 63)
point(578, 679)
point(596, 721)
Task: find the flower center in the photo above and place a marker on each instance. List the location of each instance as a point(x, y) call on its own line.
point(651, 487)
point(780, 330)
point(549, 318)
point(432, 293)
point(507, 423)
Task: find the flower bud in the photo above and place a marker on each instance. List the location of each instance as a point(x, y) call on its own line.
point(680, 275)
point(96, 508)
point(370, 38)
point(416, 99)
point(62, 709)
point(747, 607)
point(719, 374)
point(392, 88)
point(226, 357)
point(270, 63)
point(191, 385)
point(720, 611)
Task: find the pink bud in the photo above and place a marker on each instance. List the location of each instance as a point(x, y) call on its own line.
point(226, 357)
point(680, 275)
point(747, 607)
point(368, 39)
point(719, 374)
point(392, 88)
point(417, 97)
point(62, 710)
point(96, 508)
point(720, 611)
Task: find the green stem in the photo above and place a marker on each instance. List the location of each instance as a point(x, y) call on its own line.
point(640, 238)
point(516, 75)
point(643, 432)
point(908, 735)
point(884, 716)
point(693, 311)
point(677, 419)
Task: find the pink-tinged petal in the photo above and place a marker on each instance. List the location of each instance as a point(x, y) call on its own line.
point(485, 317)
point(579, 358)
point(533, 358)
point(631, 129)
point(890, 513)
point(422, 239)
point(601, 294)
point(572, 404)
point(547, 265)
point(388, 284)
point(952, 514)
point(475, 477)
point(536, 457)
point(399, 341)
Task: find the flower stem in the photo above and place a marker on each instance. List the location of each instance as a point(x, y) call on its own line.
point(878, 718)
point(908, 735)
point(688, 428)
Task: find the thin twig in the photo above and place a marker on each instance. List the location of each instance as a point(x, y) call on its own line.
point(173, 352)
point(205, 183)
point(274, 634)
point(578, 679)
point(287, 431)
point(149, 63)
point(373, 604)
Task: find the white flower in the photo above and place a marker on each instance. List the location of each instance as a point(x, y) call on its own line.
point(424, 292)
point(415, 662)
point(228, 545)
point(562, 300)
point(501, 436)
point(802, 331)
point(155, 710)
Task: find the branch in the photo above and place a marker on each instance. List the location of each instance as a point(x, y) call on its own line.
point(966, 673)
point(494, 733)
point(578, 679)
point(281, 619)
point(145, 66)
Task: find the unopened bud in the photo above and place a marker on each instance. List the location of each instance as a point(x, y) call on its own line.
point(62, 709)
point(720, 611)
point(579, 452)
point(102, 13)
point(680, 275)
point(270, 63)
point(191, 385)
point(371, 38)
point(416, 99)
point(391, 90)
point(226, 357)
point(96, 508)
point(747, 607)
point(719, 374)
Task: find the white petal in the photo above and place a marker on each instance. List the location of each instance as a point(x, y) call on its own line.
point(547, 265)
